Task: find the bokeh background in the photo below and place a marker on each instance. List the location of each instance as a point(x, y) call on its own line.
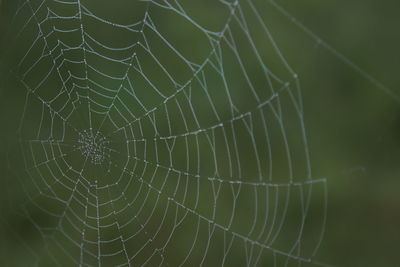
point(346, 55)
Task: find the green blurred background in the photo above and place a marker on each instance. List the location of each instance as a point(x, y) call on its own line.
point(352, 122)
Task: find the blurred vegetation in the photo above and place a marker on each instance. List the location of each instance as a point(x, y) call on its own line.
point(352, 124)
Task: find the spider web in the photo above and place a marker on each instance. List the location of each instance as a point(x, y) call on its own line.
point(162, 133)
